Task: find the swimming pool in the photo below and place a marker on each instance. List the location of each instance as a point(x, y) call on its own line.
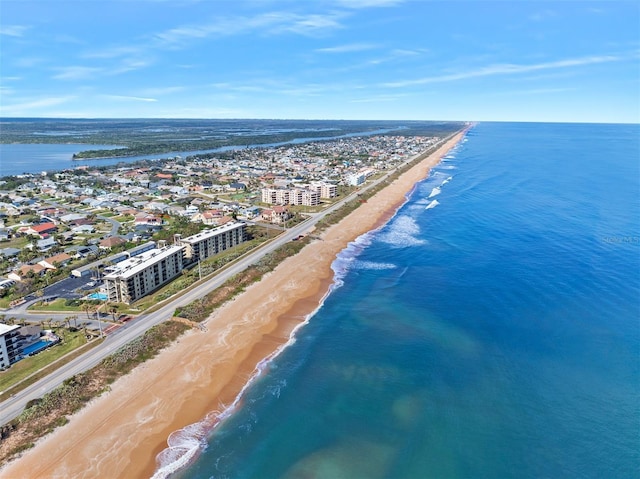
point(36, 347)
point(100, 296)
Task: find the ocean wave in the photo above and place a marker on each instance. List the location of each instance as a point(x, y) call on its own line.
point(433, 204)
point(372, 265)
point(402, 232)
point(447, 180)
point(186, 444)
point(434, 192)
point(346, 258)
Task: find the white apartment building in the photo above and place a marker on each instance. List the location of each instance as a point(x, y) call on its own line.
point(212, 241)
point(299, 196)
point(356, 179)
point(136, 277)
point(326, 190)
point(9, 348)
point(293, 196)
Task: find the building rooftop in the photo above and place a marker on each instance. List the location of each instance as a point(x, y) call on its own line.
point(132, 266)
point(6, 328)
point(209, 233)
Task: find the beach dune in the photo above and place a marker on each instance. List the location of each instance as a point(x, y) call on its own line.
point(120, 433)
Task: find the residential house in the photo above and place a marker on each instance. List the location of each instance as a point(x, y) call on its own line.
point(23, 272)
point(56, 261)
point(110, 242)
point(83, 229)
point(41, 229)
point(277, 214)
point(9, 252)
point(46, 244)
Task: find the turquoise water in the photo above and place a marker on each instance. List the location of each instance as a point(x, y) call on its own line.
point(490, 329)
point(100, 296)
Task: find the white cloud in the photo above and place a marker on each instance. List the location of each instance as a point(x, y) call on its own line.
point(19, 108)
point(160, 91)
point(76, 73)
point(274, 23)
point(13, 30)
point(130, 98)
point(378, 98)
point(506, 69)
point(534, 91)
point(130, 64)
point(113, 52)
point(368, 3)
point(351, 47)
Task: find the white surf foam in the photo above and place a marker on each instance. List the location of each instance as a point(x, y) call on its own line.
point(186, 444)
point(373, 265)
point(402, 232)
point(435, 192)
point(433, 204)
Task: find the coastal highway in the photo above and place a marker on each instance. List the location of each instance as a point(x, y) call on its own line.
point(13, 406)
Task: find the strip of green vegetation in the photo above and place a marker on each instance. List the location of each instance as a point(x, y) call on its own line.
point(57, 364)
point(56, 305)
point(45, 414)
point(189, 277)
point(200, 309)
point(26, 367)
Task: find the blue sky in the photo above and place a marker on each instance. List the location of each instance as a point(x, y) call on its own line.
point(331, 59)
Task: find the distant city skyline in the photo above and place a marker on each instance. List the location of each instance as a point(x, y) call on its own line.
point(339, 59)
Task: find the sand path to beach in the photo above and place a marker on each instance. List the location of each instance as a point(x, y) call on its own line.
point(119, 434)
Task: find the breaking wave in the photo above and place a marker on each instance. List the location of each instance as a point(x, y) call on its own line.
point(402, 232)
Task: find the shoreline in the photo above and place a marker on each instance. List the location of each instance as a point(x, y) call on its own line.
point(203, 372)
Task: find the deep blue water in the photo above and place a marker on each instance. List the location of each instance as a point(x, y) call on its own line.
point(494, 333)
point(37, 346)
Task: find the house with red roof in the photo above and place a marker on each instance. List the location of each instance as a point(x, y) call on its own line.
point(41, 230)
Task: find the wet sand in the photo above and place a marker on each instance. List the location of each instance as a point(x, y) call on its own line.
point(120, 433)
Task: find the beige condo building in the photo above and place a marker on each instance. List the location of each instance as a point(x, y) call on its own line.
point(136, 277)
point(210, 242)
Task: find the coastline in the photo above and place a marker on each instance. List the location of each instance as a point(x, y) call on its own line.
point(204, 371)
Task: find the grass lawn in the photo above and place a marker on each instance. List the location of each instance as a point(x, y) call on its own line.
point(20, 370)
point(4, 302)
point(19, 243)
point(57, 305)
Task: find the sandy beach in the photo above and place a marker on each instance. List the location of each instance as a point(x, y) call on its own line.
point(120, 434)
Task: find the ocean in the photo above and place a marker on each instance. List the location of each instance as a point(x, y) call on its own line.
point(490, 329)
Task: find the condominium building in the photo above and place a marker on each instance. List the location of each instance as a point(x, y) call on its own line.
point(210, 242)
point(276, 196)
point(299, 196)
point(293, 196)
point(9, 346)
point(138, 276)
point(326, 190)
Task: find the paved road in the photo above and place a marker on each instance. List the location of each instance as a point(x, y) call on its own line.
point(14, 405)
point(115, 226)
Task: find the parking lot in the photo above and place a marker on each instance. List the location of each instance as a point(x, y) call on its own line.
point(67, 287)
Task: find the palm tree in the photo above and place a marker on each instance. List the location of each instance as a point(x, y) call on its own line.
point(113, 309)
point(87, 307)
